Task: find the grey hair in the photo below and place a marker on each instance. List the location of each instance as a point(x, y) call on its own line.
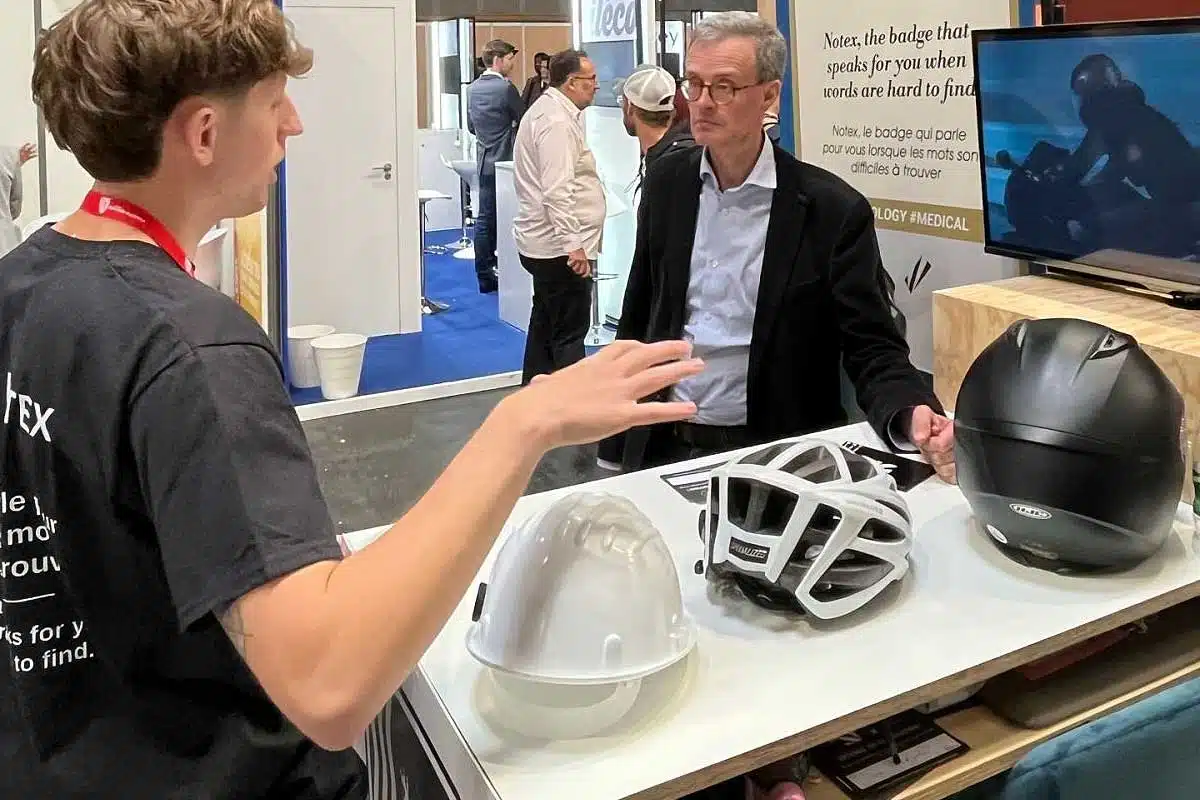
point(770, 49)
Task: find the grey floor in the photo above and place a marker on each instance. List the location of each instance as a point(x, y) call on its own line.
point(374, 465)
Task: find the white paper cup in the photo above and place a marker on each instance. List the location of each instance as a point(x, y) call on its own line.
point(301, 361)
point(339, 363)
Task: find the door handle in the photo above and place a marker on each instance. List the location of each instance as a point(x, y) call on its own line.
point(386, 169)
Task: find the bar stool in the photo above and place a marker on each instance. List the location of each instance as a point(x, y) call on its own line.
point(468, 175)
point(423, 197)
point(597, 335)
point(428, 306)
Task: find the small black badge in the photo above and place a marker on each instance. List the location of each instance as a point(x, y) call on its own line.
point(480, 594)
point(753, 553)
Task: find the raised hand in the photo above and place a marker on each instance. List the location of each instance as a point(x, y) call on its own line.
point(600, 395)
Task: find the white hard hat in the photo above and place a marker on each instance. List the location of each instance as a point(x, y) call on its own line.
point(585, 592)
point(650, 88)
point(807, 526)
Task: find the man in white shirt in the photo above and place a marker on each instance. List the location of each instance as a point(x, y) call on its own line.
point(560, 214)
point(12, 159)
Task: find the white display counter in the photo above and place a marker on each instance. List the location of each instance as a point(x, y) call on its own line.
point(964, 613)
point(516, 286)
point(617, 159)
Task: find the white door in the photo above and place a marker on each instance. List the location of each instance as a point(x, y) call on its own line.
point(351, 176)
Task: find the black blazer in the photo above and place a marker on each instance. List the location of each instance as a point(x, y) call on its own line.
point(532, 91)
point(824, 301)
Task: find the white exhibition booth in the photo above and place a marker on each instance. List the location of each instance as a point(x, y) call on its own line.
point(347, 254)
point(353, 262)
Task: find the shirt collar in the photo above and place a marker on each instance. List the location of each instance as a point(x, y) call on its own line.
point(564, 101)
point(763, 173)
point(490, 71)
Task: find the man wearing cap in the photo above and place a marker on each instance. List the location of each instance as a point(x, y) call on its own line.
point(493, 110)
point(648, 104)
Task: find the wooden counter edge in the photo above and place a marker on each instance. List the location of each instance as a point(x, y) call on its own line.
point(997, 745)
point(769, 754)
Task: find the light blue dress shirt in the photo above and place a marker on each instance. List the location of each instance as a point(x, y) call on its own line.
point(726, 266)
point(727, 255)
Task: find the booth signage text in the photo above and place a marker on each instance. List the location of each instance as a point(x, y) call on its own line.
point(609, 21)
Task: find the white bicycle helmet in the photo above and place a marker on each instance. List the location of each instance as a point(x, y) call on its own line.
point(806, 526)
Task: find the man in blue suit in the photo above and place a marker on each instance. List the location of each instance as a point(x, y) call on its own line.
point(493, 110)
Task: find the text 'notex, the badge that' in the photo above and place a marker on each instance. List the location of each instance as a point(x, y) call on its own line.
point(32, 417)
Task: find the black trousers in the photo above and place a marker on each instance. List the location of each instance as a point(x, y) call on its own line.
point(485, 227)
point(559, 319)
point(687, 441)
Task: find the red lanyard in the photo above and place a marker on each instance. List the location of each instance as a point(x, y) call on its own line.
point(138, 218)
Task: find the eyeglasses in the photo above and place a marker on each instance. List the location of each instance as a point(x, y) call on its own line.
point(721, 92)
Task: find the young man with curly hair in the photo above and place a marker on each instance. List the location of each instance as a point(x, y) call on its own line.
point(177, 619)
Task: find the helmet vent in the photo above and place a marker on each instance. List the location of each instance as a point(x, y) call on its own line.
point(1111, 344)
point(1019, 330)
point(758, 508)
point(816, 465)
point(825, 518)
point(897, 507)
point(850, 576)
point(878, 531)
point(861, 468)
point(709, 521)
point(765, 456)
point(809, 548)
point(821, 525)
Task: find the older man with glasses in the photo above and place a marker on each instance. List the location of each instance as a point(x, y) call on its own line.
point(771, 268)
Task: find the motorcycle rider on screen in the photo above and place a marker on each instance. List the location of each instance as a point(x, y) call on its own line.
point(1146, 154)
point(1133, 183)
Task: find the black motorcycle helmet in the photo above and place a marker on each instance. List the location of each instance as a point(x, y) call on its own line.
point(1069, 446)
point(1093, 74)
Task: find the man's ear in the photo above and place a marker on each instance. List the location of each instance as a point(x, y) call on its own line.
point(195, 122)
point(771, 94)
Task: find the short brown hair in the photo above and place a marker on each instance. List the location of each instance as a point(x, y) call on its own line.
point(655, 119)
point(564, 64)
point(496, 48)
point(109, 74)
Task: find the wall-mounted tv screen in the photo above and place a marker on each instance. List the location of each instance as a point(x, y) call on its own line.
point(1090, 140)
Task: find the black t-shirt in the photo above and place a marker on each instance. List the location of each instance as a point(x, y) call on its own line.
point(153, 472)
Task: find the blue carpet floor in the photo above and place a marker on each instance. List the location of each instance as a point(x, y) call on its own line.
point(468, 340)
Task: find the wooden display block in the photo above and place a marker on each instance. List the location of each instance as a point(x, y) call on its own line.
point(967, 319)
